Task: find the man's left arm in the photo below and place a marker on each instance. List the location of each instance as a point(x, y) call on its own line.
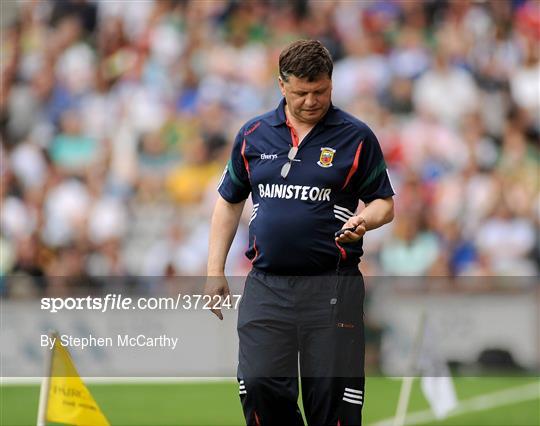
point(372, 185)
point(376, 213)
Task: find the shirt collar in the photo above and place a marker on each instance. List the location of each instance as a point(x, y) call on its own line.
point(277, 118)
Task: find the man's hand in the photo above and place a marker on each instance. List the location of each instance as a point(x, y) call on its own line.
point(349, 236)
point(217, 286)
point(222, 229)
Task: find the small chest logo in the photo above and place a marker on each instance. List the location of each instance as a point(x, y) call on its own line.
point(327, 155)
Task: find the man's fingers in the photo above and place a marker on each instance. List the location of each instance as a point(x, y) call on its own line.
point(217, 286)
point(217, 313)
point(349, 236)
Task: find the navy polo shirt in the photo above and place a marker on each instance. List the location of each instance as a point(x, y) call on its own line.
point(292, 225)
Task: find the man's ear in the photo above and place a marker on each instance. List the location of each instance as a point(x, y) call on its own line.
point(281, 85)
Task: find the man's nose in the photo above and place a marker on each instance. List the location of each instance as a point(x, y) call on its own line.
point(311, 100)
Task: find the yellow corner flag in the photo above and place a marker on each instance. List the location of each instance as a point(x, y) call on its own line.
point(65, 398)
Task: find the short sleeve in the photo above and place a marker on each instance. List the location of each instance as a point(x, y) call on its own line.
point(234, 185)
point(372, 181)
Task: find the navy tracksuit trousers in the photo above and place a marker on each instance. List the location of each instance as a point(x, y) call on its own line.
point(311, 323)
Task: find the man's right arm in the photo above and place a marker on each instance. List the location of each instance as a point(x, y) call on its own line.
point(223, 228)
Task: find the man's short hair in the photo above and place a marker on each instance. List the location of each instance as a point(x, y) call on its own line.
point(305, 59)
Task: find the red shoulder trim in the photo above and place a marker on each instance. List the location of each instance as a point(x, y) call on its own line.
point(354, 165)
point(243, 152)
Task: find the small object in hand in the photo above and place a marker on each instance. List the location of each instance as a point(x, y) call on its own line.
point(342, 231)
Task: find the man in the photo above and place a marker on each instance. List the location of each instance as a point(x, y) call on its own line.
point(306, 165)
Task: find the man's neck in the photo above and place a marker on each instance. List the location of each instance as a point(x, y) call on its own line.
point(301, 128)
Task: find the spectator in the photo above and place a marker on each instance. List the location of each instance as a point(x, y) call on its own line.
point(71, 150)
point(117, 118)
point(412, 251)
point(445, 92)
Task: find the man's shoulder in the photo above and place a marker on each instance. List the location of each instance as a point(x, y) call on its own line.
point(254, 123)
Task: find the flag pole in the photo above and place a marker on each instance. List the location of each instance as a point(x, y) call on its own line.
point(403, 402)
point(45, 384)
point(406, 384)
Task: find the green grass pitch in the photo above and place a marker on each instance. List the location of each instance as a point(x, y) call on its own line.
point(216, 403)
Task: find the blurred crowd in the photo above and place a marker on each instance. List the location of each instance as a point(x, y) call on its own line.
point(117, 119)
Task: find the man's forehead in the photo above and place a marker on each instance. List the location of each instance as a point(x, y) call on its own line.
point(304, 84)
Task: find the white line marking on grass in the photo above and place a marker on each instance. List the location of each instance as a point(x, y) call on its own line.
point(121, 380)
point(478, 403)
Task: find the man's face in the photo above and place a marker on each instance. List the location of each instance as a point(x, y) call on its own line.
point(307, 101)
